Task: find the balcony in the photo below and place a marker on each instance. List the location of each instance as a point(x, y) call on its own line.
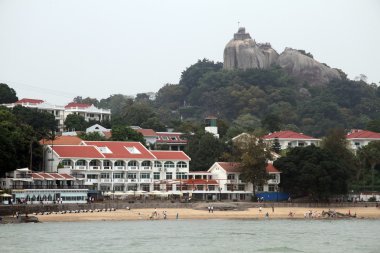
point(232, 181)
point(273, 181)
point(132, 180)
point(106, 180)
point(81, 167)
point(67, 166)
point(118, 180)
point(106, 168)
point(119, 168)
point(133, 167)
point(145, 180)
point(94, 167)
point(91, 181)
point(147, 168)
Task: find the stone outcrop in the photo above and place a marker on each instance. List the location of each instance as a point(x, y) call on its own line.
point(242, 52)
point(305, 67)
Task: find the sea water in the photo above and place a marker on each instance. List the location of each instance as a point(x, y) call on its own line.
point(194, 236)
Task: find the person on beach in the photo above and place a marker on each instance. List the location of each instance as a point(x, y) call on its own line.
point(155, 212)
point(267, 215)
point(272, 208)
point(177, 216)
point(260, 209)
point(212, 209)
point(209, 209)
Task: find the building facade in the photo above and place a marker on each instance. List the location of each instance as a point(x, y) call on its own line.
point(359, 138)
point(290, 139)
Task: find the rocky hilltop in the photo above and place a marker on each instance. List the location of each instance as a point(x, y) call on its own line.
point(242, 52)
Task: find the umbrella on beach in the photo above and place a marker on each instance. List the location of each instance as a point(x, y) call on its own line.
point(5, 195)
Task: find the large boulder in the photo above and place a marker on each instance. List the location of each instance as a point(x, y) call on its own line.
point(242, 52)
point(303, 66)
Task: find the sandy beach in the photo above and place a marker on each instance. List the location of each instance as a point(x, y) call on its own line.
point(185, 213)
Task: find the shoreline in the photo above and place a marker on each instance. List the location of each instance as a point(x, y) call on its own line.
point(194, 214)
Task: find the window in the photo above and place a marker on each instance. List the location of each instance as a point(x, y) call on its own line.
point(181, 175)
point(156, 187)
point(94, 163)
point(132, 176)
point(105, 188)
point(118, 188)
point(157, 164)
point(231, 176)
point(169, 175)
point(272, 176)
point(289, 144)
point(168, 165)
point(146, 164)
point(104, 175)
point(156, 175)
point(81, 163)
point(92, 176)
point(181, 165)
point(132, 163)
point(106, 163)
point(211, 187)
point(118, 175)
point(301, 144)
point(241, 187)
point(271, 188)
point(119, 163)
point(260, 188)
point(145, 175)
point(145, 187)
point(133, 150)
point(173, 138)
point(66, 162)
point(199, 187)
point(357, 144)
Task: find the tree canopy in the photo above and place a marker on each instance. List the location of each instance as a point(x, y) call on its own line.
point(7, 94)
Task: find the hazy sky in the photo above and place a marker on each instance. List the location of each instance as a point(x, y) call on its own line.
point(56, 50)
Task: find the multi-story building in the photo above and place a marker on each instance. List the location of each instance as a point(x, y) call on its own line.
point(290, 139)
point(171, 141)
point(89, 112)
point(56, 110)
point(35, 187)
point(358, 138)
point(120, 166)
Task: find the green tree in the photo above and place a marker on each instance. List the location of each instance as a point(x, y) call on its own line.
point(370, 155)
point(7, 94)
point(374, 125)
point(93, 136)
point(124, 133)
point(204, 150)
point(75, 122)
point(253, 155)
point(312, 171)
point(276, 146)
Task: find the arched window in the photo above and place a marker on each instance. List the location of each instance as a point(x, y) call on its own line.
point(146, 163)
point(80, 163)
point(94, 163)
point(132, 163)
point(119, 163)
point(157, 164)
point(168, 165)
point(66, 162)
point(181, 165)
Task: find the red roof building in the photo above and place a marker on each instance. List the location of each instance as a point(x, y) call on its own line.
point(29, 101)
point(358, 138)
point(289, 139)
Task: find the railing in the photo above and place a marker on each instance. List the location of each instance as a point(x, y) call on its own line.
point(81, 167)
point(106, 180)
point(147, 168)
point(132, 180)
point(78, 176)
point(273, 181)
point(119, 168)
point(92, 180)
point(94, 167)
point(118, 180)
point(26, 176)
point(106, 167)
point(145, 180)
point(133, 167)
point(20, 187)
point(232, 181)
point(67, 166)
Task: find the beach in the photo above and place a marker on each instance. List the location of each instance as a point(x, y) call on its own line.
point(187, 213)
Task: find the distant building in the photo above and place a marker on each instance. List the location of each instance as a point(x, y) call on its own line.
point(358, 138)
point(211, 126)
point(99, 129)
point(89, 112)
point(290, 139)
point(170, 141)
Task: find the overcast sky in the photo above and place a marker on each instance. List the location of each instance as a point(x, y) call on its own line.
point(56, 50)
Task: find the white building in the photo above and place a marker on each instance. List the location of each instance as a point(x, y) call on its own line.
point(35, 187)
point(89, 112)
point(290, 139)
point(120, 166)
point(231, 186)
point(359, 138)
point(98, 129)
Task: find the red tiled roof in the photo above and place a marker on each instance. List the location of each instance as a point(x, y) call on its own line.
point(169, 137)
point(201, 182)
point(234, 167)
point(146, 132)
point(30, 101)
point(37, 176)
point(170, 155)
point(119, 149)
point(62, 140)
point(362, 134)
point(67, 176)
point(77, 151)
point(287, 135)
point(79, 105)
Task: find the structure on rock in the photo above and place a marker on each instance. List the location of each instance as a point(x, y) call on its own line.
point(242, 52)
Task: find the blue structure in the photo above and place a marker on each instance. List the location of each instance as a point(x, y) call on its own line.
point(273, 196)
